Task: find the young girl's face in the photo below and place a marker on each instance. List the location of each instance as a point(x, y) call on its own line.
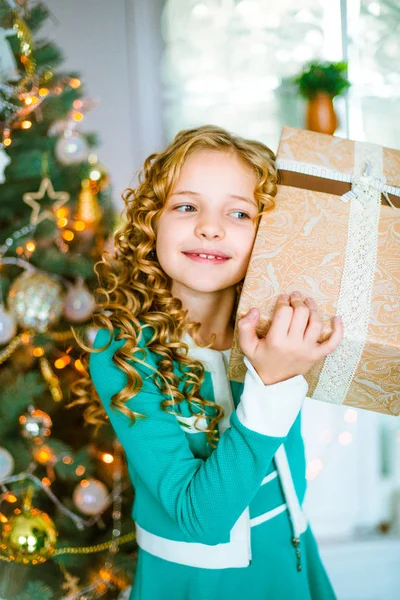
point(209, 211)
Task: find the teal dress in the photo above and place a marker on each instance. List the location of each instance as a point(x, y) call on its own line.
point(223, 523)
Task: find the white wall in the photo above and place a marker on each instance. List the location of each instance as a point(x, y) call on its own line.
point(115, 45)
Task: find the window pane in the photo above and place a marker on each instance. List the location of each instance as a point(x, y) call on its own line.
point(227, 62)
point(374, 54)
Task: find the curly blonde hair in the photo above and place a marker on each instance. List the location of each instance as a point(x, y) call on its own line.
point(136, 292)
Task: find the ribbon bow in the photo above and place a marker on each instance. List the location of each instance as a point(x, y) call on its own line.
point(366, 186)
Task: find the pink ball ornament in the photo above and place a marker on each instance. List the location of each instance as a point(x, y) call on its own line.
point(90, 496)
point(79, 303)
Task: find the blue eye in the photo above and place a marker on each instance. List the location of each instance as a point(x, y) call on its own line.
point(184, 206)
point(246, 216)
point(242, 213)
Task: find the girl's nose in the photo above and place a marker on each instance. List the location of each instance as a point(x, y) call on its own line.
point(209, 228)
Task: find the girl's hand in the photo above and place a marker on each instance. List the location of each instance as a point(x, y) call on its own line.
point(291, 345)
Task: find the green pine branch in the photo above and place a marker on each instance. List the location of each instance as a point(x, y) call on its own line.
point(23, 390)
point(36, 590)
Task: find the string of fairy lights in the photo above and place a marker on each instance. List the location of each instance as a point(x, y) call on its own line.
point(36, 301)
point(21, 531)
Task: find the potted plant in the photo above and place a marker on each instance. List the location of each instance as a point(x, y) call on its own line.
point(320, 83)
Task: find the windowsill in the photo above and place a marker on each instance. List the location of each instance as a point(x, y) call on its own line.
point(359, 538)
point(364, 567)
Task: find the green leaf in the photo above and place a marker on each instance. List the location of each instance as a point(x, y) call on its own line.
point(323, 77)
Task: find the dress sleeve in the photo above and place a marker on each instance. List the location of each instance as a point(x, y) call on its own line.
point(205, 498)
point(270, 409)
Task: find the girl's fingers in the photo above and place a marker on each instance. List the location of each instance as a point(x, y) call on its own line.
point(313, 331)
point(248, 339)
point(300, 317)
point(333, 342)
point(281, 318)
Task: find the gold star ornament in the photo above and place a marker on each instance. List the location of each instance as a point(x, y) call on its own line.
point(46, 189)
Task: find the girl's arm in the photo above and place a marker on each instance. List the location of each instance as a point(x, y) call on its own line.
point(204, 497)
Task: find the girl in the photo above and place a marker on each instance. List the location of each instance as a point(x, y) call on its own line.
point(218, 467)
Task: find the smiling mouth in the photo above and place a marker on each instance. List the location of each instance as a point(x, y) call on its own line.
point(206, 258)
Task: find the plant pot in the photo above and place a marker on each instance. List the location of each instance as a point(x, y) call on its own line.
point(320, 115)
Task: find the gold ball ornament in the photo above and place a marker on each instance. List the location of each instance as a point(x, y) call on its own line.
point(29, 537)
point(36, 300)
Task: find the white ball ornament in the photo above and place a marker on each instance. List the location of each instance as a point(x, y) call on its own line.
point(79, 303)
point(8, 325)
point(91, 333)
point(6, 463)
point(4, 162)
point(90, 496)
point(35, 424)
point(71, 148)
point(125, 594)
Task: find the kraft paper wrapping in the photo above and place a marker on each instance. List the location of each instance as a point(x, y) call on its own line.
point(301, 245)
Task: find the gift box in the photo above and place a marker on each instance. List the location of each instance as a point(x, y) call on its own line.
point(334, 235)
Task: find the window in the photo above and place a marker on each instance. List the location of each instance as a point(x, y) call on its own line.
point(230, 62)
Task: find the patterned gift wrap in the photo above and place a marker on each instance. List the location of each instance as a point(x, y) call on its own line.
point(334, 235)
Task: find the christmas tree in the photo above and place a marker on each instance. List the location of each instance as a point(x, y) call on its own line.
point(65, 499)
